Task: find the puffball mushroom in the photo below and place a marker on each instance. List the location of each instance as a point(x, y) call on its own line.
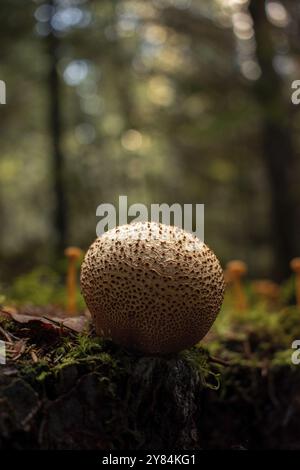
point(152, 287)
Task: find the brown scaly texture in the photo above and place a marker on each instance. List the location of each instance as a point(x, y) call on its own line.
point(152, 287)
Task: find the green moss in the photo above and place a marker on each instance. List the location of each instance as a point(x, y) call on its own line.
point(198, 358)
point(254, 335)
point(246, 339)
point(42, 286)
point(93, 354)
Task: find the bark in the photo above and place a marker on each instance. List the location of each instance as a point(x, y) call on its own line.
point(153, 405)
point(279, 154)
point(56, 131)
point(85, 392)
point(156, 404)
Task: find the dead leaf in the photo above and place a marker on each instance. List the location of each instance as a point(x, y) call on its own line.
point(75, 323)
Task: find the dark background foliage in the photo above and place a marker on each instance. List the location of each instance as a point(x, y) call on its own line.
point(183, 101)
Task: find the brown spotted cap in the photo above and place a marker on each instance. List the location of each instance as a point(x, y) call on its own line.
point(152, 287)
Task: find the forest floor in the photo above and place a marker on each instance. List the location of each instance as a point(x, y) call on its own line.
point(64, 388)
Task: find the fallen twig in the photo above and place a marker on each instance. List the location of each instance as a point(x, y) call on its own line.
point(217, 360)
point(6, 335)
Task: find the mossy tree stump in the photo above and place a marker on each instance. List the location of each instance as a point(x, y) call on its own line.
point(86, 393)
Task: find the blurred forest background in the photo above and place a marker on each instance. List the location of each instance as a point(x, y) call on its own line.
point(183, 101)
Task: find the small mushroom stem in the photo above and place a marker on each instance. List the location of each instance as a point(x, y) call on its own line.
point(240, 297)
point(295, 266)
point(235, 271)
point(73, 254)
point(298, 290)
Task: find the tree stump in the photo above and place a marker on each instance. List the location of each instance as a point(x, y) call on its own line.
point(87, 393)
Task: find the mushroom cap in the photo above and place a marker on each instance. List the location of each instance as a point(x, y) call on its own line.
point(73, 252)
point(295, 265)
point(152, 287)
point(236, 269)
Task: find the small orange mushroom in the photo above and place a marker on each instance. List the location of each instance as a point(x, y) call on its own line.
point(267, 290)
point(295, 266)
point(73, 254)
point(235, 271)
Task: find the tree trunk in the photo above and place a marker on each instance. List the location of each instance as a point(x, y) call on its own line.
point(55, 125)
point(154, 404)
point(278, 149)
